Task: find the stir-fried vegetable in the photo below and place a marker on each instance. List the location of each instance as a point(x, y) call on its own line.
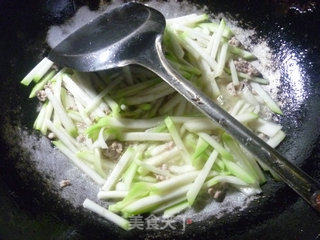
point(149, 149)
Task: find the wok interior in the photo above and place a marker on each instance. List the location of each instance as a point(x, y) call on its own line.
point(24, 152)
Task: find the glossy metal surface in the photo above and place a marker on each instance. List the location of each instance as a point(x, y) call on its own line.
point(131, 34)
point(116, 38)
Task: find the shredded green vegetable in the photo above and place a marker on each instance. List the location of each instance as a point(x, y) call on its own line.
point(149, 149)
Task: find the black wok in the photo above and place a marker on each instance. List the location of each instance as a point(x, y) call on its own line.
point(33, 207)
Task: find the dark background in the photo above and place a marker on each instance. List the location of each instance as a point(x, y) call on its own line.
point(27, 210)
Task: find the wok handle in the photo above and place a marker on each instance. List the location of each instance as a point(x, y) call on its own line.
point(293, 176)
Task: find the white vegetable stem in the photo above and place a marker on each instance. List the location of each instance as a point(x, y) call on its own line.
point(215, 40)
point(112, 194)
point(118, 169)
point(234, 75)
point(160, 149)
point(63, 136)
point(266, 127)
point(64, 118)
point(174, 182)
point(266, 98)
point(98, 99)
point(92, 206)
point(197, 185)
point(152, 168)
point(163, 157)
point(217, 146)
point(145, 203)
point(228, 179)
point(177, 139)
point(276, 139)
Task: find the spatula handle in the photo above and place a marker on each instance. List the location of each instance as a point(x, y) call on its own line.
point(293, 176)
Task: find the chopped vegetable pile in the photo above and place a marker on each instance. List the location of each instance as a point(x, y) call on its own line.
point(148, 148)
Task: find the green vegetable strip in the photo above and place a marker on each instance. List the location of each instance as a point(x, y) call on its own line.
point(246, 117)
point(174, 43)
point(234, 74)
point(128, 176)
point(235, 110)
point(47, 116)
point(217, 146)
point(75, 90)
point(128, 75)
point(173, 183)
point(162, 86)
point(215, 40)
point(83, 114)
point(227, 179)
point(211, 87)
point(200, 125)
point(118, 170)
point(169, 105)
point(103, 195)
point(138, 190)
point(65, 120)
point(175, 209)
point(266, 97)
point(168, 204)
point(152, 168)
point(254, 79)
point(37, 72)
point(222, 59)
point(201, 147)
point(241, 53)
point(147, 179)
point(92, 206)
point(197, 185)
point(163, 157)
point(65, 138)
point(156, 106)
point(239, 172)
point(180, 109)
point(75, 116)
point(57, 94)
point(266, 127)
point(276, 139)
point(158, 149)
point(134, 89)
point(113, 105)
point(149, 203)
point(39, 86)
point(243, 160)
point(194, 46)
point(40, 118)
point(177, 139)
point(98, 99)
point(98, 163)
point(213, 27)
point(188, 20)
